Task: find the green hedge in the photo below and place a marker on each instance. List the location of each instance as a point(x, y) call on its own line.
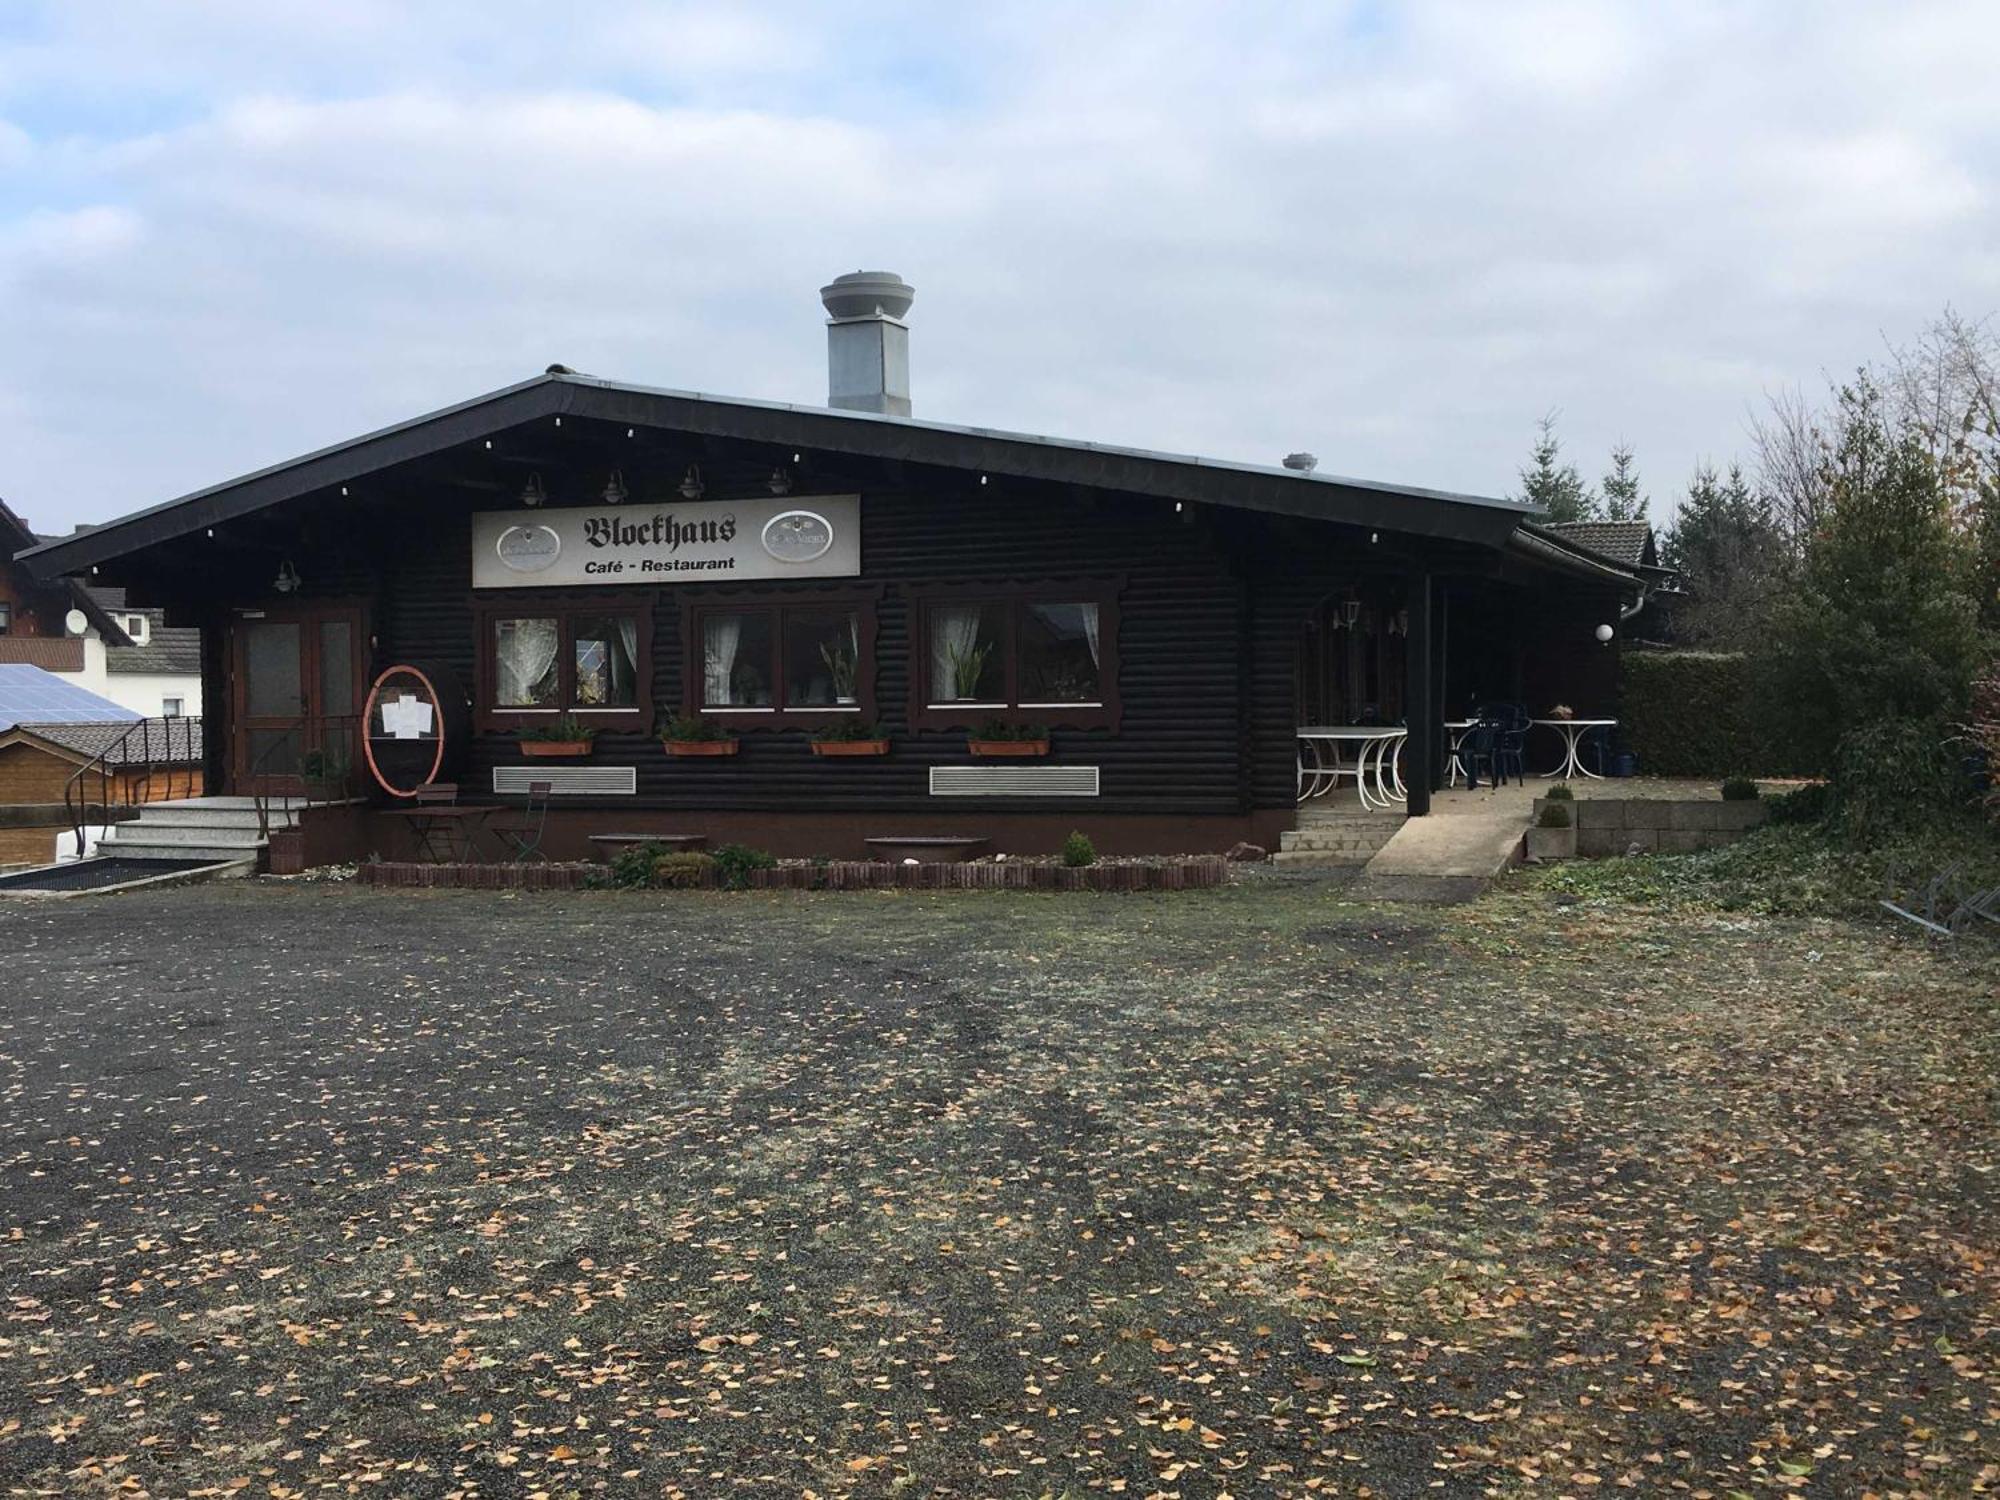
point(1693, 713)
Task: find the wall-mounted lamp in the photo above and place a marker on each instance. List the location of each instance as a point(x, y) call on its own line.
point(288, 580)
point(614, 488)
point(691, 487)
point(532, 493)
point(1352, 610)
point(780, 482)
point(1604, 634)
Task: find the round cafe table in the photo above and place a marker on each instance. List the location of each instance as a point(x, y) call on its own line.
point(1572, 731)
point(1376, 748)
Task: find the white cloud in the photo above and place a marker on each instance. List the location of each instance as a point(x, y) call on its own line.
point(1394, 235)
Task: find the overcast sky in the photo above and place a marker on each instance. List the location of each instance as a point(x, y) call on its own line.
point(1394, 234)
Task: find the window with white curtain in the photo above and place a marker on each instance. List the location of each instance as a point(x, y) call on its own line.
point(808, 658)
point(1015, 653)
point(588, 659)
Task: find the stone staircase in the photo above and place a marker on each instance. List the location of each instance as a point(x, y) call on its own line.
point(215, 828)
point(1334, 838)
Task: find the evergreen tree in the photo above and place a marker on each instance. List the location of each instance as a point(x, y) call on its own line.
point(1554, 486)
point(1726, 545)
point(1620, 488)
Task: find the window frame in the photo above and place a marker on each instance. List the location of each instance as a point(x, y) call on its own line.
point(1014, 595)
point(864, 603)
point(6, 616)
point(565, 608)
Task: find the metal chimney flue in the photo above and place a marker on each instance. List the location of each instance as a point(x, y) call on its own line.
point(867, 342)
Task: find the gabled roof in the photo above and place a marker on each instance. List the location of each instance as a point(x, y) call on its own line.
point(1627, 542)
point(28, 695)
point(158, 742)
point(16, 539)
point(559, 393)
point(168, 650)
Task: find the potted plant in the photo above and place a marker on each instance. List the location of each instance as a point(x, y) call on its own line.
point(840, 670)
point(567, 735)
point(847, 737)
point(1553, 835)
point(997, 737)
point(1563, 712)
point(324, 772)
point(690, 734)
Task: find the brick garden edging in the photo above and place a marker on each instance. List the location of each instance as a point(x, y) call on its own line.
point(1195, 873)
point(1012, 875)
point(523, 877)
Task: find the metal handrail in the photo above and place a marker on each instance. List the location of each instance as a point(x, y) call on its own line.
point(308, 736)
point(130, 770)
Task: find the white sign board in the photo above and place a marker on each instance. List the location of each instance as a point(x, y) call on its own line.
point(710, 541)
point(407, 718)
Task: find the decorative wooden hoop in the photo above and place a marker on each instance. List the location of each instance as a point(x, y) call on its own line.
point(368, 718)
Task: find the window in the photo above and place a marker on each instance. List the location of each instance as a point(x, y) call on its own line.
point(135, 626)
point(1032, 655)
point(808, 658)
point(173, 708)
point(6, 617)
point(543, 659)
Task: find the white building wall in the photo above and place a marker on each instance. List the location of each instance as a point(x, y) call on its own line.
point(145, 693)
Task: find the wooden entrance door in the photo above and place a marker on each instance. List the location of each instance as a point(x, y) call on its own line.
point(297, 675)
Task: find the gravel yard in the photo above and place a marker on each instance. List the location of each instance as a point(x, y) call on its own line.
point(310, 1189)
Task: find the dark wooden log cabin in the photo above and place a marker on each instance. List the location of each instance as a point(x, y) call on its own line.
point(1170, 621)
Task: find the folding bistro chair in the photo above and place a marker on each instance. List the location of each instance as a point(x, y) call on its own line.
point(433, 835)
point(524, 833)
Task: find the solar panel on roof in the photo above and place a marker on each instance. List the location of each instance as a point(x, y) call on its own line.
point(29, 695)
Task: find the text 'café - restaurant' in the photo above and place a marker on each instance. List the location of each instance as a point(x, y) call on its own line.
point(1014, 636)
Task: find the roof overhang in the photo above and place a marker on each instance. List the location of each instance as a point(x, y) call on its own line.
point(1544, 548)
point(1197, 481)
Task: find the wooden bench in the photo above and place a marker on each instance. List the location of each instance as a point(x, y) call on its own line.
point(927, 848)
point(611, 845)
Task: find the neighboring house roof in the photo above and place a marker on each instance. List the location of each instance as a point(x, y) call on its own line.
point(156, 742)
point(168, 651)
point(1627, 542)
point(28, 695)
point(16, 538)
point(561, 393)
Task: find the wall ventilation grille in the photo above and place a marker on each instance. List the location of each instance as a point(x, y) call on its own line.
point(567, 781)
point(1013, 781)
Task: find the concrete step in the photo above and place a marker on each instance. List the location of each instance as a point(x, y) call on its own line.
point(133, 849)
point(1322, 859)
point(1327, 838)
point(144, 831)
point(195, 815)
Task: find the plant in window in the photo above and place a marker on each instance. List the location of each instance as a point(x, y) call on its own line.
point(840, 669)
point(849, 737)
point(566, 735)
point(967, 666)
point(692, 735)
point(997, 737)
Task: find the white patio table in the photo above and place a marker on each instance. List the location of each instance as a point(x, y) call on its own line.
point(1376, 747)
point(1572, 730)
point(1456, 730)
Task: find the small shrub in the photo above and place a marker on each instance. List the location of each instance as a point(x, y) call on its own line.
point(1560, 792)
point(734, 862)
point(1806, 804)
point(692, 727)
point(1078, 851)
point(1895, 776)
point(683, 870)
point(566, 730)
point(1553, 815)
point(632, 866)
point(1740, 789)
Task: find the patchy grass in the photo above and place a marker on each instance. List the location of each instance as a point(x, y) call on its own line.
point(1779, 870)
point(316, 1190)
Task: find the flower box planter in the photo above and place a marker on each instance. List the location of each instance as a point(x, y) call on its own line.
point(700, 747)
point(549, 749)
point(849, 747)
point(990, 749)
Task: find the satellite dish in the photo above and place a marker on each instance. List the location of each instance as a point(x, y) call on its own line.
point(76, 622)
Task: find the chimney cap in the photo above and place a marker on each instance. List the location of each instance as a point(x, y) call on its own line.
point(1304, 463)
point(863, 294)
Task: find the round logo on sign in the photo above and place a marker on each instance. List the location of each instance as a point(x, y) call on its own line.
point(798, 536)
point(528, 549)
